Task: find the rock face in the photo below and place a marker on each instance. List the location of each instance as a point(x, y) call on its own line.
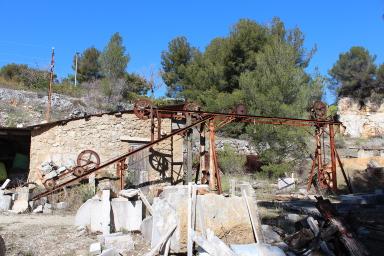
point(361, 121)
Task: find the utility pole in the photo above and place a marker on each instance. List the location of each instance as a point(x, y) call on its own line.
point(76, 55)
point(48, 114)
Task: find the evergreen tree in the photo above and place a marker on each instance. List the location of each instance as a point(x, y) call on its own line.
point(88, 66)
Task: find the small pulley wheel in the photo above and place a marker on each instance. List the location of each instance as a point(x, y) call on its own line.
point(49, 184)
point(79, 171)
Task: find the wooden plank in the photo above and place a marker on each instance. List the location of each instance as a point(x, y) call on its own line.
point(253, 214)
point(145, 201)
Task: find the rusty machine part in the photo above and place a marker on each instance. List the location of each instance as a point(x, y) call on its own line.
point(88, 159)
point(49, 184)
point(240, 109)
point(79, 171)
point(319, 110)
point(142, 108)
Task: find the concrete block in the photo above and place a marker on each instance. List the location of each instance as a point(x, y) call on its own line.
point(127, 215)
point(106, 212)
point(95, 249)
point(146, 228)
point(5, 202)
point(121, 244)
point(270, 236)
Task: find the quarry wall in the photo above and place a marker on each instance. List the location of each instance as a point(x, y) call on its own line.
point(361, 120)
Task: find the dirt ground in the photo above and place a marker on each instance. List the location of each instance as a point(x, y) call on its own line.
point(50, 235)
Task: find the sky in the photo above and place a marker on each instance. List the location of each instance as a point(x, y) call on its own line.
point(29, 29)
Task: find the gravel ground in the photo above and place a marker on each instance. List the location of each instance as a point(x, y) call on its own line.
point(50, 235)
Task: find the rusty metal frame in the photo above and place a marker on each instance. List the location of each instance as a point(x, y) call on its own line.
point(122, 157)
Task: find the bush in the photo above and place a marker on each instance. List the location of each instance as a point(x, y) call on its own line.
point(230, 161)
point(276, 170)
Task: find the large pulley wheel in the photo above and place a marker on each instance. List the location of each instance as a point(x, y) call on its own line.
point(88, 159)
point(142, 108)
point(79, 171)
point(240, 109)
point(319, 110)
point(49, 184)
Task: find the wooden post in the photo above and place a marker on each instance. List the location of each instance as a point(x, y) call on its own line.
point(48, 114)
point(333, 156)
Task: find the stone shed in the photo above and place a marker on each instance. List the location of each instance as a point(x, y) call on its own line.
point(109, 135)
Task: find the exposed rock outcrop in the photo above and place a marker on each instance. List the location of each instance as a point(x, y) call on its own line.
point(361, 119)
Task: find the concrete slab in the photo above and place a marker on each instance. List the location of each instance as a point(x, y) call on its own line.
point(127, 215)
point(146, 228)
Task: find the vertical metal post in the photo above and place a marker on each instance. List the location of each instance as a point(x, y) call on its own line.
point(202, 149)
point(333, 156)
point(152, 125)
point(158, 125)
point(212, 165)
point(48, 114)
point(189, 148)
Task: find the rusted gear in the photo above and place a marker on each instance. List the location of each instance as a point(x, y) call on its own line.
point(319, 110)
point(141, 108)
point(88, 159)
point(79, 171)
point(49, 184)
point(240, 109)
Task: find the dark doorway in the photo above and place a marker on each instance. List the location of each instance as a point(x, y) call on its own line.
point(15, 146)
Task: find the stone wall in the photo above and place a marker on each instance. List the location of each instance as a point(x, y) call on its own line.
point(110, 136)
point(361, 121)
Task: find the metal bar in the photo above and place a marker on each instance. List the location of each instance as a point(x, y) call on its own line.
point(278, 119)
point(114, 160)
point(343, 171)
point(333, 157)
point(189, 149)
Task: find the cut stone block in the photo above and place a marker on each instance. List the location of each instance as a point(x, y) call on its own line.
point(129, 193)
point(90, 209)
point(109, 252)
point(38, 209)
point(21, 203)
point(61, 205)
point(95, 249)
point(146, 228)
point(5, 202)
point(127, 215)
point(106, 212)
point(256, 250)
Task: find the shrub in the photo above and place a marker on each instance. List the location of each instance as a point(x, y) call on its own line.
point(230, 161)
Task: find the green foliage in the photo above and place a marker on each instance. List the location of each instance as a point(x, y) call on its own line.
point(88, 66)
point(136, 84)
point(260, 66)
point(276, 170)
point(113, 59)
point(354, 74)
point(174, 61)
point(67, 88)
point(230, 161)
point(27, 76)
point(332, 110)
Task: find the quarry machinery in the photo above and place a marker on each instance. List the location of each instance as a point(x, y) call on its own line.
point(196, 118)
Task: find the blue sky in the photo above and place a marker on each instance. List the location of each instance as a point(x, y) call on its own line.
point(30, 28)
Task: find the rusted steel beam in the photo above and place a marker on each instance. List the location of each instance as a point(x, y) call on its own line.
point(124, 156)
point(275, 120)
point(333, 156)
